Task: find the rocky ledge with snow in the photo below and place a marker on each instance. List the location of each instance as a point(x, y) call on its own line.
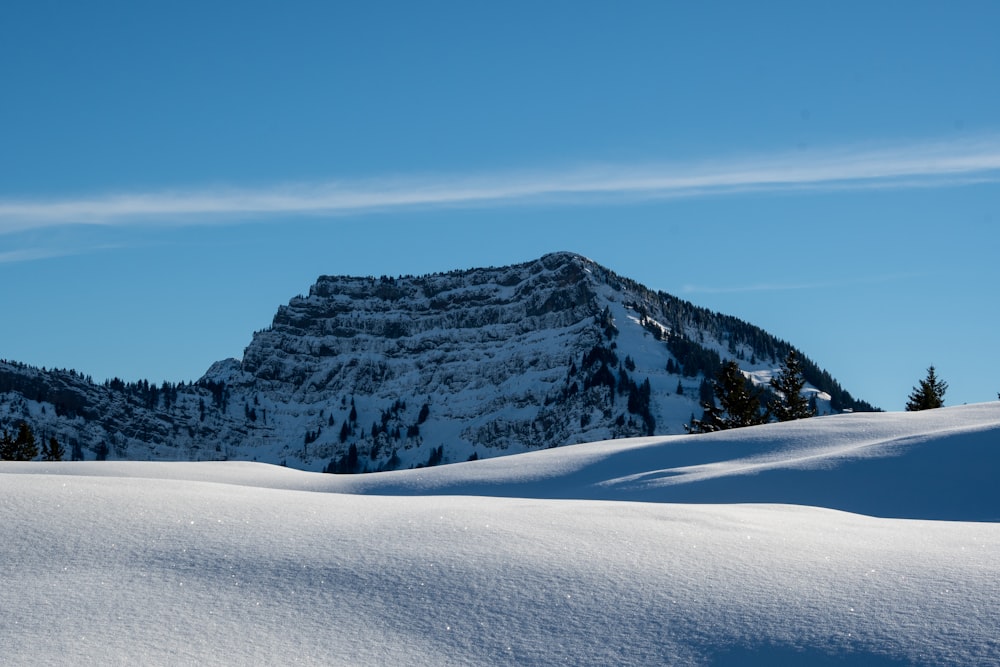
point(366, 374)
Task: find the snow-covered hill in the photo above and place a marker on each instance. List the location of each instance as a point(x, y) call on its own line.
point(390, 373)
point(549, 557)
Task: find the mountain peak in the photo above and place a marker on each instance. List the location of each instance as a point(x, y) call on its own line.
point(562, 257)
point(366, 373)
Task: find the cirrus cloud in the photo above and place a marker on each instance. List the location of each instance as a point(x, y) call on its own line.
point(920, 165)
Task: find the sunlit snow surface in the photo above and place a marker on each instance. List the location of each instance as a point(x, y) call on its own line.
point(633, 552)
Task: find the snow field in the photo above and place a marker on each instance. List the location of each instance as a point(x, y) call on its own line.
point(238, 563)
point(128, 571)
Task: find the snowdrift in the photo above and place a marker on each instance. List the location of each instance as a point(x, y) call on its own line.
point(635, 552)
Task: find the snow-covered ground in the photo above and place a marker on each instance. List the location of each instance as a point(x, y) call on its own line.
point(851, 539)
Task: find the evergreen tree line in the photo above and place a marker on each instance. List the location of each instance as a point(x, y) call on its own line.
point(74, 394)
point(735, 402)
point(23, 446)
point(680, 317)
point(740, 403)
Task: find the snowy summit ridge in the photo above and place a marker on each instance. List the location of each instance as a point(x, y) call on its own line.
point(368, 373)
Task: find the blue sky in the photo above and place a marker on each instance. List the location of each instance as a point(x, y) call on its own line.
point(172, 172)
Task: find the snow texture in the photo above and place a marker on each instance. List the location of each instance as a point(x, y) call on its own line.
point(816, 542)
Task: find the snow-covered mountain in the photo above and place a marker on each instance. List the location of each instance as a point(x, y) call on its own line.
point(369, 374)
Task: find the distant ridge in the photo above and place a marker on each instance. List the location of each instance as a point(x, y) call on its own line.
point(368, 373)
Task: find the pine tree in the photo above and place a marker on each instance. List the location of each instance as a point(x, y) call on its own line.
point(739, 403)
point(8, 451)
point(711, 419)
point(25, 448)
point(56, 450)
point(929, 394)
point(790, 403)
point(52, 450)
point(739, 398)
point(352, 458)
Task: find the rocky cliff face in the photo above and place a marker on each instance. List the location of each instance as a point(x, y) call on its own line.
point(382, 373)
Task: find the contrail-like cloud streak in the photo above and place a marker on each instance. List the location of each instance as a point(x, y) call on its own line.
point(912, 166)
point(806, 285)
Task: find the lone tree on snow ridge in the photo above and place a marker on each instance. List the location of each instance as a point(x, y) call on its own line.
point(929, 394)
point(790, 404)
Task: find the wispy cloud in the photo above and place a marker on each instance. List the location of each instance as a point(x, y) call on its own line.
point(908, 166)
point(755, 287)
point(36, 253)
point(804, 285)
point(30, 254)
